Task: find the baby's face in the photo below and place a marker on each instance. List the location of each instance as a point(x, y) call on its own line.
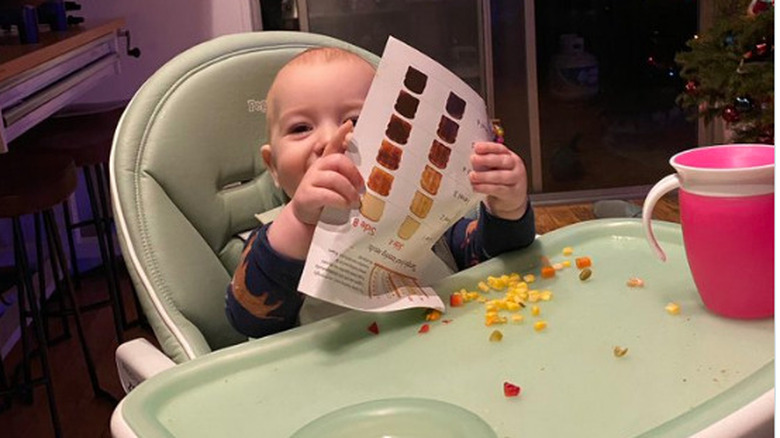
point(309, 102)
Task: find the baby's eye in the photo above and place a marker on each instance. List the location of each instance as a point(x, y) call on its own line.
point(299, 129)
point(354, 120)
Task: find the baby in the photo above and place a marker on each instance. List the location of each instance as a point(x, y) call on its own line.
point(313, 106)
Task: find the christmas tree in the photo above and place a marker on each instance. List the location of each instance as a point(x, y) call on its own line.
point(729, 70)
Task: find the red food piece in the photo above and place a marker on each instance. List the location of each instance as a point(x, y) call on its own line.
point(456, 300)
point(424, 328)
point(548, 272)
point(374, 328)
point(583, 262)
point(511, 390)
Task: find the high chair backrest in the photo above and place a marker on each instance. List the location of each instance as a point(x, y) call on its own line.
point(187, 178)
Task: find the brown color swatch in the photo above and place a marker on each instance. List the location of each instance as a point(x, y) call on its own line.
point(398, 130)
point(455, 106)
point(430, 180)
point(415, 80)
point(389, 155)
point(380, 181)
point(448, 129)
point(439, 154)
point(406, 104)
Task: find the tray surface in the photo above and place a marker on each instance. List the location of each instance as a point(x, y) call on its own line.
point(681, 372)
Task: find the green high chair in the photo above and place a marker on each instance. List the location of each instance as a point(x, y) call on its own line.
point(187, 178)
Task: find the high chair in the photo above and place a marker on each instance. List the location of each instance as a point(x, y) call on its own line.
point(187, 178)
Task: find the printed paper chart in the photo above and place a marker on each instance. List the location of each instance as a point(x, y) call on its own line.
point(414, 138)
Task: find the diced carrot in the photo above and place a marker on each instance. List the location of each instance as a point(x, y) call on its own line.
point(582, 262)
point(456, 300)
point(548, 272)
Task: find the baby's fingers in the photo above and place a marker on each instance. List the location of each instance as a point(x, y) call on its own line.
point(494, 177)
point(338, 143)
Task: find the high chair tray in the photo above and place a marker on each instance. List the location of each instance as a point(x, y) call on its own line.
point(681, 374)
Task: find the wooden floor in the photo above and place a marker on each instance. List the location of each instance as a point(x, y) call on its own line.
point(82, 414)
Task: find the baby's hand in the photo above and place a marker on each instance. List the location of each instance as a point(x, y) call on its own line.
point(500, 174)
point(332, 180)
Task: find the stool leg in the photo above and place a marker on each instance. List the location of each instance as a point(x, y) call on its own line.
point(41, 273)
point(39, 256)
point(74, 260)
point(25, 284)
point(105, 254)
point(59, 254)
point(5, 390)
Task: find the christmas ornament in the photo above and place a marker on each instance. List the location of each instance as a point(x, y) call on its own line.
point(729, 40)
point(758, 6)
point(730, 114)
point(692, 87)
point(743, 104)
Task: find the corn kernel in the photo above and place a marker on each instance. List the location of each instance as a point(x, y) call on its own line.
point(540, 325)
point(535, 310)
point(517, 318)
point(673, 309)
point(483, 286)
point(566, 263)
point(534, 296)
point(512, 306)
point(568, 251)
point(557, 266)
point(432, 315)
point(529, 278)
point(545, 295)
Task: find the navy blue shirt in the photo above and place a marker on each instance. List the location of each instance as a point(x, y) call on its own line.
point(263, 297)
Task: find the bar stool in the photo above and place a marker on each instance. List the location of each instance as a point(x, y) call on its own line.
point(86, 136)
point(35, 184)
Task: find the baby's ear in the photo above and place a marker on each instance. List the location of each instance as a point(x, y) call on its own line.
point(267, 155)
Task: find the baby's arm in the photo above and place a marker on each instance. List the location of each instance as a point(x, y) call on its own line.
point(333, 180)
point(262, 298)
point(473, 241)
point(506, 220)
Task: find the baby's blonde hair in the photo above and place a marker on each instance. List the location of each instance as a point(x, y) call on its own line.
point(314, 55)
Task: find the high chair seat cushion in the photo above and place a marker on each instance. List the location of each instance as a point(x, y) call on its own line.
point(187, 177)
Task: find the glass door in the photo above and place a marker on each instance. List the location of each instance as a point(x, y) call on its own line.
point(607, 85)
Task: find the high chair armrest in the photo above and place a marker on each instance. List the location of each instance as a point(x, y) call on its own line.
point(138, 360)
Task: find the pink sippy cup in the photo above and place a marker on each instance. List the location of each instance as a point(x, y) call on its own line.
point(727, 216)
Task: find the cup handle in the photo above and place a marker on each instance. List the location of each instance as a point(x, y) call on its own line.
point(662, 187)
